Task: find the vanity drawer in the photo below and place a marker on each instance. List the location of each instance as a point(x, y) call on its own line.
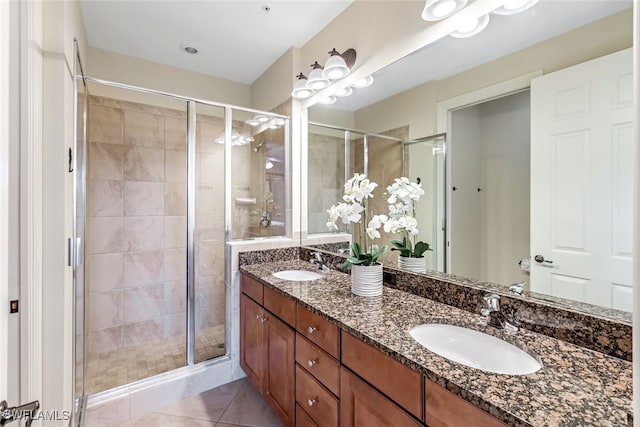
point(318, 330)
point(322, 366)
point(280, 305)
point(445, 409)
point(391, 377)
point(302, 419)
point(317, 402)
point(252, 288)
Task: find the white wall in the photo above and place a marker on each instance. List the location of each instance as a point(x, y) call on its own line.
point(466, 171)
point(126, 69)
point(416, 107)
point(505, 134)
point(61, 24)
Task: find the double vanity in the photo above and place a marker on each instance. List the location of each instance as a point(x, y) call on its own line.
point(322, 356)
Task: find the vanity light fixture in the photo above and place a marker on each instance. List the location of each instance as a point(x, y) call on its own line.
point(435, 10)
point(331, 99)
point(363, 82)
point(470, 26)
point(344, 92)
point(261, 119)
point(252, 122)
point(339, 64)
point(268, 164)
point(316, 81)
point(300, 89)
point(515, 6)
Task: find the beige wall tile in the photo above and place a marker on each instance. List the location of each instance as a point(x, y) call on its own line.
point(175, 231)
point(143, 332)
point(175, 297)
point(105, 340)
point(175, 166)
point(107, 310)
point(175, 199)
point(106, 272)
point(175, 262)
point(210, 199)
point(143, 129)
point(175, 134)
point(143, 164)
point(142, 268)
point(107, 198)
point(105, 161)
point(210, 291)
point(143, 233)
point(106, 125)
point(206, 135)
point(105, 235)
point(143, 198)
point(210, 167)
point(143, 303)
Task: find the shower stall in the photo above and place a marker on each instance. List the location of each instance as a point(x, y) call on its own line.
point(336, 153)
point(163, 184)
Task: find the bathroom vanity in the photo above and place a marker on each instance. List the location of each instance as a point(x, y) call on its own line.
point(322, 356)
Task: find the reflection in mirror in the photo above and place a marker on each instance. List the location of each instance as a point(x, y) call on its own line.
point(513, 192)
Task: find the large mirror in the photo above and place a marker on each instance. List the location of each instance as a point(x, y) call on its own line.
point(521, 138)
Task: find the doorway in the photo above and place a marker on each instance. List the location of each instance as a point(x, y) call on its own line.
point(489, 189)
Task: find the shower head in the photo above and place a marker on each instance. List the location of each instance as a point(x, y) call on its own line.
point(259, 146)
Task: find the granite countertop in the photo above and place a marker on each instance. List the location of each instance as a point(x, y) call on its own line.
point(575, 387)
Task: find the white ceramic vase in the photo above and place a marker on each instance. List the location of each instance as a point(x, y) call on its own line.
point(414, 265)
point(366, 280)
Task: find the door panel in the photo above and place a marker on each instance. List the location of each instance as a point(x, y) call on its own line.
point(581, 181)
point(251, 341)
point(279, 370)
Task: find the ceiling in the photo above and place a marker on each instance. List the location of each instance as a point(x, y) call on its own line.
point(237, 40)
point(504, 35)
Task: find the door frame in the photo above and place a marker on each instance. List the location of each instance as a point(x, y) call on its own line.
point(443, 123)
point(4, 193)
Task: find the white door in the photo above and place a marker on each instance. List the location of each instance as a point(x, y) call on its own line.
point(581, 182)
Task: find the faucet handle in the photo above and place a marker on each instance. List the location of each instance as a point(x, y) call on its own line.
point(491, 302)
point(317, 255)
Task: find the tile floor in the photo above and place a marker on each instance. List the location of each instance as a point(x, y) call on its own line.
point(116, 368)
point(236, 404)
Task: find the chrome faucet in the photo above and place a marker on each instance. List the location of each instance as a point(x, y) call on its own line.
point(517, 288)
point(495, 317)
point(317, 260)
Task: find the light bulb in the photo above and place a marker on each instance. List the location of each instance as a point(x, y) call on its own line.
point(443, 9)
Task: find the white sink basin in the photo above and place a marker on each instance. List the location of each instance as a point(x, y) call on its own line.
point(475, 349)
point(298, 275)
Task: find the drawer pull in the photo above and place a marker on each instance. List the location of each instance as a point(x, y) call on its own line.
point(312, 362)
point(263, 319)
point(312, 329)
point(312, 402)
point(258, 316)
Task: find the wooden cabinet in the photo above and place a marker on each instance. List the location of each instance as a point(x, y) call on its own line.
point(267, 355)
point(320, 376)
point(391, 377)
point(362, 405)
point(278, 371)
point(251, 340)
point(445, 409)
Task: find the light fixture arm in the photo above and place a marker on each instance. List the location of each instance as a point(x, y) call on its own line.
point(348, 55)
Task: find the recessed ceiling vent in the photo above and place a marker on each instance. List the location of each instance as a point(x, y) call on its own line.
point(185, 47)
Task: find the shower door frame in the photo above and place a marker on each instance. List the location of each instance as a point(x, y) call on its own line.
point(191, 214)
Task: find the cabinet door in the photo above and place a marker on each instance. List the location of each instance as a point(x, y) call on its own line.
point(252, 340)
point(279, 368)
point(363, 406)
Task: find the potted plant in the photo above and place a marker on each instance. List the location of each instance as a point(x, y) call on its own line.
point(366, 271)
point(402, 197)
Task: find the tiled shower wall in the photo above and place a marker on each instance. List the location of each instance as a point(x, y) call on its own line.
point(136, 231)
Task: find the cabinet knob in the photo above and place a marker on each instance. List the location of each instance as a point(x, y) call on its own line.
point(258, 316)
point(311, 362)
point(312, 329)
point(263, 319)
point(312, 402)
